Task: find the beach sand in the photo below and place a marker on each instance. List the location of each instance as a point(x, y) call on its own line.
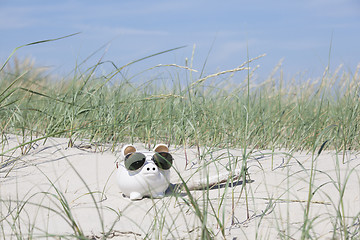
point(42, 190)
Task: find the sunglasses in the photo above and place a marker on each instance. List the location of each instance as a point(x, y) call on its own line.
point(135, 161)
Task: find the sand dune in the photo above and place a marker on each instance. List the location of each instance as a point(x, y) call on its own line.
point(42, 190)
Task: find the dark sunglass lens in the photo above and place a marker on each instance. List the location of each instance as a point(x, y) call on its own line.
point(163, 160)
point(134, 161)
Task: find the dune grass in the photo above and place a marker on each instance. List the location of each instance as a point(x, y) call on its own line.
point(277, 114)
point(191, 109)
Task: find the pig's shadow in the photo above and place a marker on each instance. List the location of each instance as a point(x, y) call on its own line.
point(179, 188)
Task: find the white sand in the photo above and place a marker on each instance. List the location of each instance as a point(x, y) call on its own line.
point(31, 190)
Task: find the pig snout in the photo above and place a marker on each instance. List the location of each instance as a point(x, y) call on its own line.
point(150, 168)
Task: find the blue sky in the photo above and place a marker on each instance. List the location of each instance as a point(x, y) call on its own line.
point(300, 32)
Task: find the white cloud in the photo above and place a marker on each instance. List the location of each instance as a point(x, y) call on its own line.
point(115, 31)
point(235, 49)
point(335, 8)
point(15, 18)
point(152, 7)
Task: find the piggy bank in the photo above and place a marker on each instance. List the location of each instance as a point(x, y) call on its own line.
point(144, 173)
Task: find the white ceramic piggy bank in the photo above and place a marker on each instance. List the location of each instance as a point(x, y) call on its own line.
point(144, 173)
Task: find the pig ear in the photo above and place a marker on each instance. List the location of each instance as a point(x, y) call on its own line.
point(128, 149)
point(161, 148)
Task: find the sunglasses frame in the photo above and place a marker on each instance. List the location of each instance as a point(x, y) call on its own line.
point(165, 164)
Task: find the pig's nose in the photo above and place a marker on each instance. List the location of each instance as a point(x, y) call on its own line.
point(151, 168)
